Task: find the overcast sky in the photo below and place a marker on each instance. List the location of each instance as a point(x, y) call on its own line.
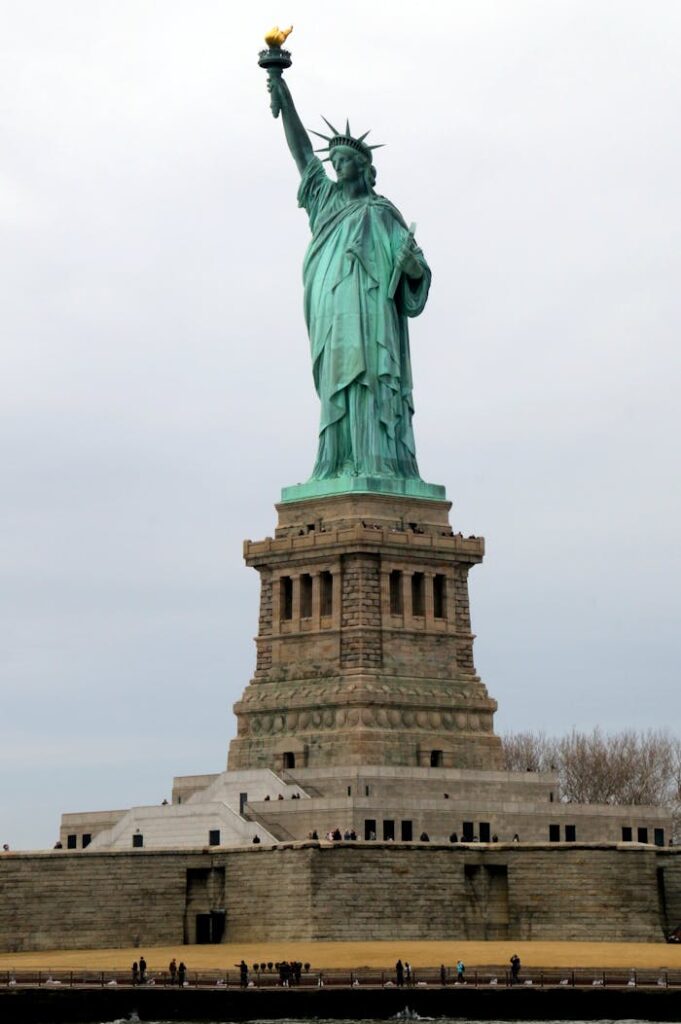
point(155, 377)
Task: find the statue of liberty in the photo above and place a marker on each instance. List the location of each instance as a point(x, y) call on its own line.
point(364, 276)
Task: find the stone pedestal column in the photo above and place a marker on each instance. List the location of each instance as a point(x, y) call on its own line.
point(360, 685)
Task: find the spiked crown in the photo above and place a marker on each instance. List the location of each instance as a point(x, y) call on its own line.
point(344, 139)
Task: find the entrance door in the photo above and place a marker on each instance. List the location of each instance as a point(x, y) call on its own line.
point(203, 929)
point(217, 925)
point(210, 927)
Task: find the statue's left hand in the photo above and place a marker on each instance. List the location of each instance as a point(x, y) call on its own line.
point(407, 260)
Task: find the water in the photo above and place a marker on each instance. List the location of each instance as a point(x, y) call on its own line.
point(373, 1020)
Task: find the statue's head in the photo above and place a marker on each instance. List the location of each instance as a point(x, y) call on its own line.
point(343, 145)
point(351, 165)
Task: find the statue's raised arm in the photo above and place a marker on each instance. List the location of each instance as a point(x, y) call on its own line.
point(296, 136)
point(364, 277)
point(275, 60)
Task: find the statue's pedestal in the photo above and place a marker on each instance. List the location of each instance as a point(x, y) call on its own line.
point(364, 646)
point(363, 485)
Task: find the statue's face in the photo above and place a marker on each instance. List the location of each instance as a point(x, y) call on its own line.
point(346, 165)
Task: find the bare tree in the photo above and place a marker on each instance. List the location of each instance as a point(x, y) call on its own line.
point(528, 752)
point(627, 767)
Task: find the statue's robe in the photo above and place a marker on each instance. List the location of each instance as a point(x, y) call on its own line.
point(359, 338)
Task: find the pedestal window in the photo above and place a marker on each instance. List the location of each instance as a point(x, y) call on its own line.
point(396, 606)
point(439, 596)
point(418, 588)
point(305, 596)
point(326, 593)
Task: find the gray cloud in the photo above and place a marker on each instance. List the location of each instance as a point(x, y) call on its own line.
point(156, 389)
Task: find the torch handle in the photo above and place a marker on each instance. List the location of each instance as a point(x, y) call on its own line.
point(275, 106)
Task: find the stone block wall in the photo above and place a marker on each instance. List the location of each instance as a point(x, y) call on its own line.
point(79, 900)
point(670, 891)
point(361, 613)
point(338, 891)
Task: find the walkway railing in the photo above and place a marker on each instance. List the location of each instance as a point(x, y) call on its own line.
point(422, 977)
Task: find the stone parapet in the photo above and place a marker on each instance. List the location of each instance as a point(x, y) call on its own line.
point(363, 538)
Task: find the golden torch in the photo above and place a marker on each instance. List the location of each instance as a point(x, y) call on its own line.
point(275, 60)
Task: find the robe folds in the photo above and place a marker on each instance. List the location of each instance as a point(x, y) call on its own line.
point(359, 339)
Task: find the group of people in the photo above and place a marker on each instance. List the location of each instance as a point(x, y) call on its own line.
point(335, 835)
point(139, 972)
point(349, 833)
point(454, 838)
point(404, 974)
point(289, 972)
point(177, 974)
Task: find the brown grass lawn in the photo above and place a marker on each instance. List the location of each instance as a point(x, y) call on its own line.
point(360, 954)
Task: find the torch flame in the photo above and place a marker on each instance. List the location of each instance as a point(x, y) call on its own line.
point(276, 36)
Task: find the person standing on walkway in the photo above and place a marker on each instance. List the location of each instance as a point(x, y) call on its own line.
point(181, 974)
point(461, 972)
point(143, 970)
point(407, 973)
point(135, 973)
point(172, 970)
point(515, 969)
point(443, 974)
point(399, 974)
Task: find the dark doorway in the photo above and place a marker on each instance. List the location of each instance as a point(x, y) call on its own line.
point(407, 832)
point(369, 828)
point(217, 925)
point(289, 759)
point(203, 929)
point(436, 759)
point(210, 928)
point(388, 829)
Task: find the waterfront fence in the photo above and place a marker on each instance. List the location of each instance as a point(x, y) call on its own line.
point(423, 977)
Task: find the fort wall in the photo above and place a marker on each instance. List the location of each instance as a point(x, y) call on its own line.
point(302, 891)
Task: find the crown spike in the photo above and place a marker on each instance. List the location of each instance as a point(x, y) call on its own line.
point(380, 145)
point(327, 138)
point(347, 127)
point(334, 130)
point(363, 137)
point(323, 149)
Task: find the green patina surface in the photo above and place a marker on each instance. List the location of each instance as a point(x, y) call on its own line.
point(363, 485)
point(364, 278)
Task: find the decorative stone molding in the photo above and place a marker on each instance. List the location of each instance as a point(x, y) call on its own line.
point(389, 718)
